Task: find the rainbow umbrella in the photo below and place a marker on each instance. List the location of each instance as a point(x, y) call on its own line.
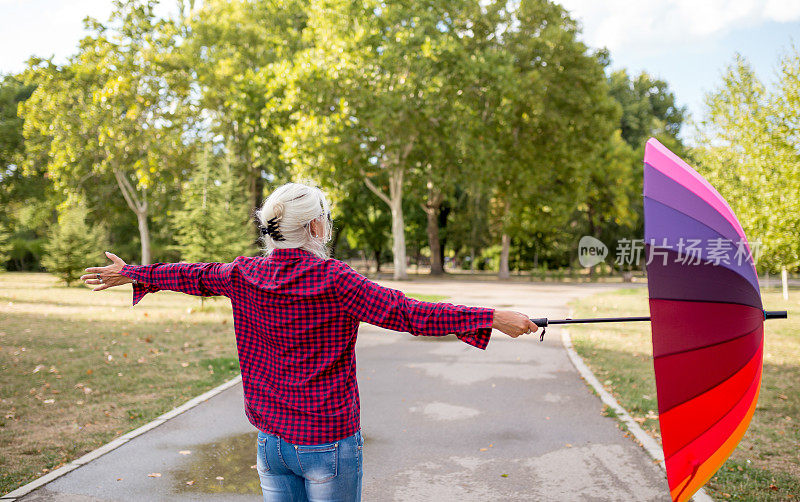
point(706, 318)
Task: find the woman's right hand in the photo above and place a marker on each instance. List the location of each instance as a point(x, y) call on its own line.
point(513, 323)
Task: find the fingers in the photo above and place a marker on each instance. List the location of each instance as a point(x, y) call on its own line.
point(532, 326)
point(102, 287)
point(116, 259)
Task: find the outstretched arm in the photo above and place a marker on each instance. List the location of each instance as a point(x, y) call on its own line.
point(389, 308)
point(200, 279)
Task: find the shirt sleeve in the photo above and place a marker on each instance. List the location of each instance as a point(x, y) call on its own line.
point(389, 308)
point(199, 279)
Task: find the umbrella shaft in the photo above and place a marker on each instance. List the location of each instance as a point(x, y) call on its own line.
point(543, 322)
point(547, 322)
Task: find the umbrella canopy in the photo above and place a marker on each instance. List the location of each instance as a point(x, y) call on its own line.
point(706, 317)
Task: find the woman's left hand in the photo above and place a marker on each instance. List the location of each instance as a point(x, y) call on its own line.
point(107, 276)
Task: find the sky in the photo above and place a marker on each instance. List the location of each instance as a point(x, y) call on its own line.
point(688, 43)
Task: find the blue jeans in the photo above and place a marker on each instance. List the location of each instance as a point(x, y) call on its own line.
point(329, 472)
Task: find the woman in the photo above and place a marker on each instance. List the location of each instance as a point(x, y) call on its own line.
point(296, 315)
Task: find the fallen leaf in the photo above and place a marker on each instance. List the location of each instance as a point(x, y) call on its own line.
point(185, 452)
point(773, 487)
point(568, 445)
point(184, 365)
point(219, 478)
point(49, 401)
point(38, 368)
point(87, 390)
point(190, 483)
point(89, 371)
point(119, 479)
point(783, 396)
point(154, 475)
point(504, 475)
point(484, 449)
point(254, 466)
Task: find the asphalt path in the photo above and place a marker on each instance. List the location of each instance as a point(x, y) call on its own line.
point(442, 421)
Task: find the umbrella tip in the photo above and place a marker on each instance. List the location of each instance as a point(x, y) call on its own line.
point(775, 314)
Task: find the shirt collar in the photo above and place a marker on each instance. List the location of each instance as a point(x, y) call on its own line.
point(288, 253)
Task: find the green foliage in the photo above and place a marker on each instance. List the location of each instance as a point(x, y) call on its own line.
point(108, 125)
point(750, 136)
point(12, 92)
point(648, 106)
point(212, 225)
point(241, 52)
point(5, 245)
point(73, 245)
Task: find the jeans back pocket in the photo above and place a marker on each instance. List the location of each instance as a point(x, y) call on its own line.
point(318, 462)
point(262, 465)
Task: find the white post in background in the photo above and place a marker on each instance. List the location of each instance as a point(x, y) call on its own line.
point(785, 282)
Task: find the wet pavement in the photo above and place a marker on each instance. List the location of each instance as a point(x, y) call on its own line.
point(441, 420)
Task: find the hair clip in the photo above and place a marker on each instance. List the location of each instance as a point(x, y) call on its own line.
point(272, 230)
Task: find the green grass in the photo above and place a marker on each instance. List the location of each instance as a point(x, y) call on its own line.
point(766, 464)
point(78, 368)
point(427, 298)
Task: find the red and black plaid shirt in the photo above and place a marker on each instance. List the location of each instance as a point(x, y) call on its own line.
point(296, 318)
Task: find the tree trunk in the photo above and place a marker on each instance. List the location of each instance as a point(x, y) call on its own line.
point(472, 261)
point(337, 233)
point(377, 260)
point(254, 188)
point(395, 202)
point(431, 208)
point(433, 241)
point(144, 236)
point(785, 282)
point(139, 207)
point(504, 251)
point(398, 226)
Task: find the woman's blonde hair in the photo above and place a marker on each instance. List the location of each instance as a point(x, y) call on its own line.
point(286, 216)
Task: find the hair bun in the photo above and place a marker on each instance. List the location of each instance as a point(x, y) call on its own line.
point(277, 210)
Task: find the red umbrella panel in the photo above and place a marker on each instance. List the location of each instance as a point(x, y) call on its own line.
point(706, 318)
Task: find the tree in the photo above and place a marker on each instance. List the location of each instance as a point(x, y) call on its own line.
point(749, 137)
point(212, 225)
point(111, 116)
point(549, 117)
point(73, 245)
point(649, 109)
point(241, 52)
point(27, 197)
point(372, 95)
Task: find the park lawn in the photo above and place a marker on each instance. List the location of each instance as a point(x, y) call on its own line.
point(78, 368)
point(766, 464)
